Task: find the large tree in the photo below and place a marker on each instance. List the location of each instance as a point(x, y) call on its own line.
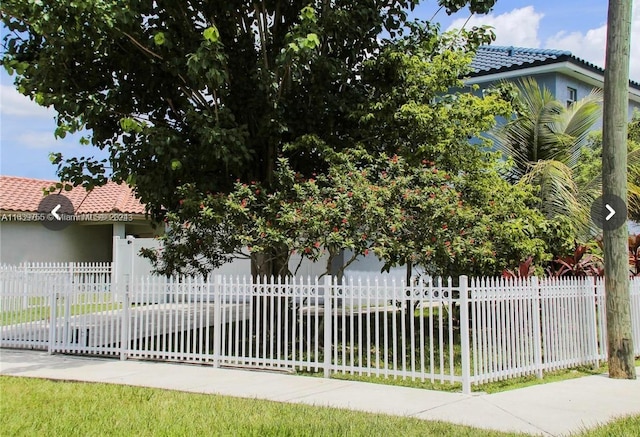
point(205, 93)
point(201, 92)
point(437, 201)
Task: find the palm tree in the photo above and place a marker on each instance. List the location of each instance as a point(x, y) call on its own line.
point(544, 142)
point(545, 129)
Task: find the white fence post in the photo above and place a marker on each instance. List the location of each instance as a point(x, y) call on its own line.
point(124, 328)
point(593, 325)
point(217, 319)
point(25, 287)
point(52, 319)
point(464, 335)
point(328, 317)
point(67, 335)
point(602, 318)
point(537, 336)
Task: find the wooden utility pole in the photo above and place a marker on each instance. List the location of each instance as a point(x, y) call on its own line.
point(614, 183)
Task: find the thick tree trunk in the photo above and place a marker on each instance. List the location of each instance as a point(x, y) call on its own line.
point(270, 265)
point(267, 268)
point(409, 308)
point(614, 175)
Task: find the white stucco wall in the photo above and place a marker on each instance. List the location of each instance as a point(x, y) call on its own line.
point(32, 242)
point(364, 266)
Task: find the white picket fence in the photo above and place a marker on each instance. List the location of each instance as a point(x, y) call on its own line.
point(465, 331)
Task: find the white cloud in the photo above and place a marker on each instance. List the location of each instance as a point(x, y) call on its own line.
point(12, 103)
point(590, 45)
point(38, 140)
point(518, 27)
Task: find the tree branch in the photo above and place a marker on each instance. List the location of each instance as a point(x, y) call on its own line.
point(140, 46)
point(344, 267)
point(263, 42)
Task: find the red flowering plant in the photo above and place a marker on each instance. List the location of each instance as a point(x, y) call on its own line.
point(448, 223)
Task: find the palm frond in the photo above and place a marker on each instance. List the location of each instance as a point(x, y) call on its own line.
point(578, 121)
point(544, 141)
point(593, 188)
point(556, 189)
point(545, 129)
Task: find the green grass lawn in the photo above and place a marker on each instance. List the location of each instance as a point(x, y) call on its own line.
point(41, 407)
point(625, 427)
point(491, 387)
point(555, 376)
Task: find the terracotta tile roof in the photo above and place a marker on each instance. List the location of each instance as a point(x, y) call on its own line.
point(24, 194)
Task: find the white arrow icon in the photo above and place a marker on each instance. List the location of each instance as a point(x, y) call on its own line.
point(612, 212)
point(54, 212)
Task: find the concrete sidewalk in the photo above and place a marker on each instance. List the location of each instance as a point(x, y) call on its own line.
point(559, 408)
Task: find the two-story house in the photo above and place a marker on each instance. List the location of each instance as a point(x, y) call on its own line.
point(568, 77)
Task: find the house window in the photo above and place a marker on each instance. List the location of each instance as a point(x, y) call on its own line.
point(572, 96)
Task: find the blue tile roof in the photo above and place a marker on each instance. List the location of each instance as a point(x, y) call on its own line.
point(490, 58)
point(494, 59)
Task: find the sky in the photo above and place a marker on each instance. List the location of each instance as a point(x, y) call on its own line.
point(26, 129)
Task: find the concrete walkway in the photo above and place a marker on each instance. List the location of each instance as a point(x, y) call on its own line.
point(560, 408)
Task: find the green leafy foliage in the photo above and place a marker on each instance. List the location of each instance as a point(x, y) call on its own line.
point(220, 87)
point(299, 103)
point(543, 140)
point(450, 224)
point(211, 34)
point(475, 6)
point(588, 169)
point(158, 38)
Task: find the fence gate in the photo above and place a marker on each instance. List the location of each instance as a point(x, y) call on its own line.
point(58, 307)
point(27, 297)
point(269, 323)
point(88, 318)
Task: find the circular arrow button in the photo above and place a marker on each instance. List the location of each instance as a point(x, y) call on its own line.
point(609, 212)
point(57, 211)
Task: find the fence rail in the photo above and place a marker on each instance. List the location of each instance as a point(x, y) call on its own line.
point(448, 330)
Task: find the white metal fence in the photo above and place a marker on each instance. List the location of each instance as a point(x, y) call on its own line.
point(41, 304)
point(446, 330)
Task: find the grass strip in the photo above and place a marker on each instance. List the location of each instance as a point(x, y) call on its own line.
point(32, 407)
